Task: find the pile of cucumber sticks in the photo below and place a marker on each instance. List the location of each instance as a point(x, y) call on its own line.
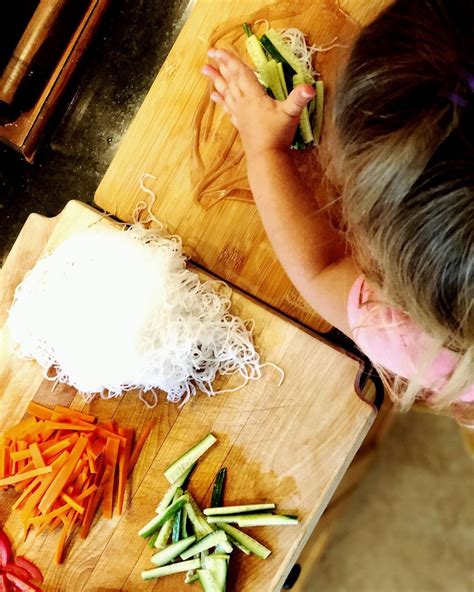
point(184, 536)
point(279, 70)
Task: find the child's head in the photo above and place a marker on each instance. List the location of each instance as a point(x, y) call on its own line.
point(404, 116)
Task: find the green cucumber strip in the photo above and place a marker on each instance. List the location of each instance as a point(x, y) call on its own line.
point(184, 522)
point(198, 520)
point(254, 519)
point(211, 540)
point(166, 570)
point(176, 531)
point(247, 29)
point(267, 520)
point(164, 534)
point(304, 124)
point(195, 522)
point(172, 551)
point(283, 49)
point(224, 510)
point(257, 55)
point(318, 116)
point(170, 492)
point(218, 568)
point(281, 76)
point(159, 520)
point(271, 73)
point(244, 541)
point(236, 543)
point(186, 460)
point(152, 539)
point(218, 490)
point(208, 582)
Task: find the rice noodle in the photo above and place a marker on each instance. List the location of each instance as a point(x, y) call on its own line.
point(114, 310)
point(296, 39)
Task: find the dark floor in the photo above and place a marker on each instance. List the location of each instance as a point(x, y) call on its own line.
point(109, 86)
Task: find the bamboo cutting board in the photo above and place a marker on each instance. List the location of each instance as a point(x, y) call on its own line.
point(290, 444)
point(196, 156)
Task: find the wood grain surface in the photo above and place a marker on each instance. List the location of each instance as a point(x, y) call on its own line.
point(289, 444)
point(196, 165)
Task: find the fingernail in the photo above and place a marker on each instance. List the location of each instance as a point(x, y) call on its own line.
point(307, 94)
point(211, 53)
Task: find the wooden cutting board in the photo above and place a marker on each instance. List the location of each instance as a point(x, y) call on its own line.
point(193, 164)
point(289, 444)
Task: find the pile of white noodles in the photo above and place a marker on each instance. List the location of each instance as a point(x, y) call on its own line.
point(109, 311)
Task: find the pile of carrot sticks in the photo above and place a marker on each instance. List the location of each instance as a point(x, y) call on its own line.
point(65, 463)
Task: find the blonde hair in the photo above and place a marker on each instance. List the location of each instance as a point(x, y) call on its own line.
point(404, 120)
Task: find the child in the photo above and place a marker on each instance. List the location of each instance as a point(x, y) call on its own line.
point(404, 124)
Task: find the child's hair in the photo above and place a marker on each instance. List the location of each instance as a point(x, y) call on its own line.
point(404, 117)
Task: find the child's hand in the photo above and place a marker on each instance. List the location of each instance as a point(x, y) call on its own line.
point(263, 123)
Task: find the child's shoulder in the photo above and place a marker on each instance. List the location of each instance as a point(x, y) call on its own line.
point(390, 338)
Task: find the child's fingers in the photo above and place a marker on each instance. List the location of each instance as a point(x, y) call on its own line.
point(218, 81)
point(298, 99)
point(239, 76)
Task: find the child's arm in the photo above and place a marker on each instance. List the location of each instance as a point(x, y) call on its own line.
point(310, 251)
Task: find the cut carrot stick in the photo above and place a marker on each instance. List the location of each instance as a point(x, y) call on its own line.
point(67, 412)
point(36, 455)
point(111, 456)
point(38, 410)
point(62, 425)
point(140, 443)
point(21, 454)
point(124, 459)
point(63, 476)
point(22, 476)
point(90, 460)
point(26, 493)
point(72, 503)
point(94, 501)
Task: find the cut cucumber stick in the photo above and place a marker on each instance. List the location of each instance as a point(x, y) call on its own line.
point(254, 519)
point(172, 551)
point(209, 541)
point(184, 462)
point(223, 510)
point(158, 572)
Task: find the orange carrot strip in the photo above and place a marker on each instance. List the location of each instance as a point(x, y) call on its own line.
point(62, 477)
point(97, 448)
point(22, 476)
point(55, 447)
point(140, 443)
point(87, 492)
point(105, 433)
point(111, 456)
point(3, 457)
point(66, 411)
point(38, 410)
point(21, 446)
point(37, 456)
point(72, 503)
point(21, 454)
point(62, 425)
point(26, 493)
point(58, 558)
point(93, 502)
point(77, 470)
point(90, 460)
point(124, 459)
